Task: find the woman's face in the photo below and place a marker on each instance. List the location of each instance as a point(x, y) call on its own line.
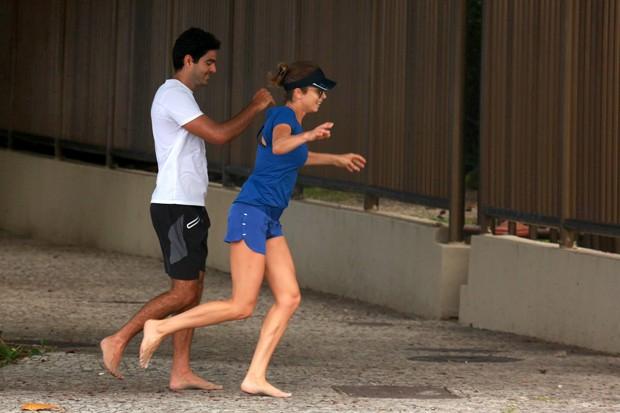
point(312, 99)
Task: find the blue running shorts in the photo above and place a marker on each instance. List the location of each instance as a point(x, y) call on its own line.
point(254, 225)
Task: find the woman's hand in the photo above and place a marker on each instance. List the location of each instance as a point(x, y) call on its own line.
point(323, 131)
point(351, 161)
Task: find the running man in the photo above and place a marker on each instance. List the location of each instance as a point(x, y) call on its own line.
point(178, 212)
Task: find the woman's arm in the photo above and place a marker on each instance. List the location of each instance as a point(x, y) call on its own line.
point(351, 161)
point(283, 142)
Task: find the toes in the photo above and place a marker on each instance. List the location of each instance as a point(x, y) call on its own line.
point(144, 361)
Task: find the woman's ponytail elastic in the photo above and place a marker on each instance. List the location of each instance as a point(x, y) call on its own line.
point(278, 79)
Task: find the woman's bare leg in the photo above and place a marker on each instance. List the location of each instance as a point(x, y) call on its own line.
point(283, 282)
point(247, 269)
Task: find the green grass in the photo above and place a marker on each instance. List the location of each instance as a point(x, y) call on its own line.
point(11, 353)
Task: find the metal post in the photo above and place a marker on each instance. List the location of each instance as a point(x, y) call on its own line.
point(457, 175)
point(370, 202)
point(567, 237)
point(298, 192)
point(483, 221)
point(62, 130)
point(13, 68)
point(512, 228)
point(226, 177)
point(487, 223)
point(112, 107)
point(553, 235)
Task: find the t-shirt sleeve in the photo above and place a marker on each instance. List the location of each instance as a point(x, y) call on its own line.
point(283, 116)
point(181, 106)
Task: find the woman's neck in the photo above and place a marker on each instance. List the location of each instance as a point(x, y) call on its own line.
point(299, 113)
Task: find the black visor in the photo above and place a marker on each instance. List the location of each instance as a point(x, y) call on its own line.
point(316, 79)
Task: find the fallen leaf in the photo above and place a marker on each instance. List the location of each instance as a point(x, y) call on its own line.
point(36, 407)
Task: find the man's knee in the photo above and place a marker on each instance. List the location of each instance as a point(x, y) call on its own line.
point(186, 295)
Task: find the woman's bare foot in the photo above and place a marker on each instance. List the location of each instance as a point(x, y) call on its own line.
point(262, 388)
point(190, 381)
point(150, 342)
point(112, 350)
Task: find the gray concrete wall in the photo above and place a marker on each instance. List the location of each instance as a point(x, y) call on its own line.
point(71, 203)
point(539, 290)
point(390, 261)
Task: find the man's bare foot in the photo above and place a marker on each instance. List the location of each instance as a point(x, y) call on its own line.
point(112, 351)
point(150, 342)
point(190, 381)
point(262, 388)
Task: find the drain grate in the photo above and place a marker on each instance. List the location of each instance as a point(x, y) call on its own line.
point(449, 358)
point(396, 392)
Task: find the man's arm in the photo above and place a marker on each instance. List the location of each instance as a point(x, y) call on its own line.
point(220, 133)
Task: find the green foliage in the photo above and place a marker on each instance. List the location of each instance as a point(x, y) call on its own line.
point(10, 353)
point(472, 179)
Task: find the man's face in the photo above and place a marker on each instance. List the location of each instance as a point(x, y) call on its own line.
point(204, 68)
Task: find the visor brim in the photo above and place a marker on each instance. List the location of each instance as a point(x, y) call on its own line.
point(324, 84)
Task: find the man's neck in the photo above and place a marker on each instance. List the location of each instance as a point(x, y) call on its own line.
point(183, 78)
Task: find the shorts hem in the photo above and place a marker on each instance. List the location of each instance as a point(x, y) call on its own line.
point(185, 277)
point(256, 250)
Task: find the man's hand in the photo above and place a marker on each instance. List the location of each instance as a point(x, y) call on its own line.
point(220, 133)
point(351, 161)
point(262, 98)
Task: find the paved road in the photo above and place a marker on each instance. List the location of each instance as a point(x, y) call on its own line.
point(71, 297)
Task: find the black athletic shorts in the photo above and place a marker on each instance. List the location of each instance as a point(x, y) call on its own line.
point(182, 231)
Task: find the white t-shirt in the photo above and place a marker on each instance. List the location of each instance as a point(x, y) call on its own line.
point(181, 157)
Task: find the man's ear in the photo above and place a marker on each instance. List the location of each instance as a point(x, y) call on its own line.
point(187, 60)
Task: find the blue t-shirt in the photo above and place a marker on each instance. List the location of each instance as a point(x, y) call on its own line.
point(273, 178)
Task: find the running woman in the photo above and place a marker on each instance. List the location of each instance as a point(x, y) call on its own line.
point(258, 247)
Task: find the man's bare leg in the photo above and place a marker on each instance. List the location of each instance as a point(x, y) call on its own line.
point(181, 295)
point(181, 375)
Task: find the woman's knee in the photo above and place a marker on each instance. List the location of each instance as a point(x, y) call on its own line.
point(289, 301)
point(242, 310)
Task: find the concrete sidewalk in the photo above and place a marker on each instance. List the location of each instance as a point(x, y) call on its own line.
point(71, 297)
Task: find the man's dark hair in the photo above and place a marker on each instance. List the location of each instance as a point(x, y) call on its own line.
point(194, 42)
